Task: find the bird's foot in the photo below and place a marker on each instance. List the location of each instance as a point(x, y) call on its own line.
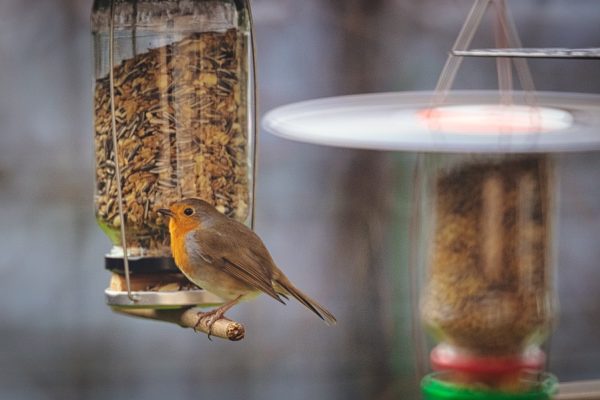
point(209, 318)
point(212, 316)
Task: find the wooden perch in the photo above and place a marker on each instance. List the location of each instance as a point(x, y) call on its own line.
point(188, 318)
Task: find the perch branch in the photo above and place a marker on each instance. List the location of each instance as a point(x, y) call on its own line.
point(188, 318)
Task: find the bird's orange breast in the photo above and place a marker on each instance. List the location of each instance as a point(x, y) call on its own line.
point(179, 251)
point(179, 247)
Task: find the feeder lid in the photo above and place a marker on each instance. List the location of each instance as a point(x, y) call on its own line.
point(437, 386)
point(466, 121)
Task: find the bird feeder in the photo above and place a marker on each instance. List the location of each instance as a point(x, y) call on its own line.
point(484, 214)
point(174, 108)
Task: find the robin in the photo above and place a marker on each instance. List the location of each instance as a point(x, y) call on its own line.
point(228, 259)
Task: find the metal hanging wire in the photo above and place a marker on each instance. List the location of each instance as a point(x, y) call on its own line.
point(516, 49)
point(463, 40)
point(254, 110)
point(505, 36)
point(111, 55)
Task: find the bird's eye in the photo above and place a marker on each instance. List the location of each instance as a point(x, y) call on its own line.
point(188, 211)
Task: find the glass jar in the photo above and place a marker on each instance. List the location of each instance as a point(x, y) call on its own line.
point(486, 244)
point(183, 114)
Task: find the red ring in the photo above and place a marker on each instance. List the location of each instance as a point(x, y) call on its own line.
point(445, 357)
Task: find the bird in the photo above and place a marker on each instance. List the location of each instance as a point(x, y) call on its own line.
point(227, 258)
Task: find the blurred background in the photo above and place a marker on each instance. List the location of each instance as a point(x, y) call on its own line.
point(334, 219)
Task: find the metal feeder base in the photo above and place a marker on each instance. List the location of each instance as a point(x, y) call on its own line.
point(164, 300)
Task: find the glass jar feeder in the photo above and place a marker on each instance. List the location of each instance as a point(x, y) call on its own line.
point(486, 247)
point(174, 118)
point(483, 220)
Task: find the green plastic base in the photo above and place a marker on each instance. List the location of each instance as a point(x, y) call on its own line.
point(437, 386)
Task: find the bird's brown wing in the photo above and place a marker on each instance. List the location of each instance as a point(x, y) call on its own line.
point(239, 252)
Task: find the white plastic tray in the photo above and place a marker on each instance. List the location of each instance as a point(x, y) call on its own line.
point(466, 121)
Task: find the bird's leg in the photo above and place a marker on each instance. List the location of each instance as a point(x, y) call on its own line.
point(216, 314)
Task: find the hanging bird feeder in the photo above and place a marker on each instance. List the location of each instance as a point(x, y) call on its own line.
point(174, 108)
point(484, 209)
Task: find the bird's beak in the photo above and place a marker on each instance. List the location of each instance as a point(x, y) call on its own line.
point(166, 211)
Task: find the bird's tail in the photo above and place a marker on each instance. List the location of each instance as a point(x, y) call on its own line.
point(322, 312)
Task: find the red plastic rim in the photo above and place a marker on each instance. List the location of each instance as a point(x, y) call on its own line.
point(445, 357)
point(491, 119)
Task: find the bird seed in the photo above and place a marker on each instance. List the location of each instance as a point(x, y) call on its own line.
point(489, 282)
point(182, 129)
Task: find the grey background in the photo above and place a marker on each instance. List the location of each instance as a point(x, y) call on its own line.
point(334, 219)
